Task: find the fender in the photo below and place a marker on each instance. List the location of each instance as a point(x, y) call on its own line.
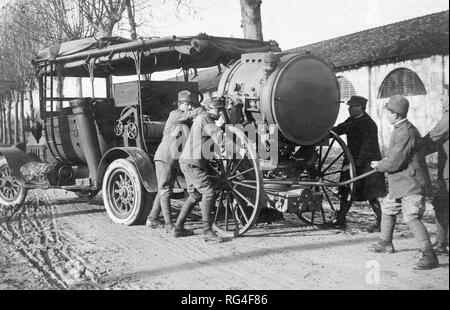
point(16, 157)
point(140, 158)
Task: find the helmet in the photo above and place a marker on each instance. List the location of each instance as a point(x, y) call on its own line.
point(186, 96)
point(398, 104)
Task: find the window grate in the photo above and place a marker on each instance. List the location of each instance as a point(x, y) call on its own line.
point(401, 82)
point(346, 88)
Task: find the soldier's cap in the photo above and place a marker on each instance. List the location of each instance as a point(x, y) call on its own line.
point(398, 104)
point(214, 103)
point(187, 96)
point(357, 100)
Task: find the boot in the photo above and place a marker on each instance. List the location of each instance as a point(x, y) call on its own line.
point(428, 261)
point(153, 223)
point(210, 235)
point(152, 220)
point(440, 248)
point(182, 232)
point(376, 207)
point(341, 220)
point(179, 230)
point(382, 246)
point(165, 207)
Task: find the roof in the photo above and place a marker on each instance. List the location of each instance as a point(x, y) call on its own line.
point(406, 40)
point(116, 56)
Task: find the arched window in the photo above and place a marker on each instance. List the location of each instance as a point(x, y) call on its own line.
point(401, 81)
point(346, 88)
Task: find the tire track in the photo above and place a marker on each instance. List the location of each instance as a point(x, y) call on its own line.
point(71, 258)
point(208, 259)
point(33, 232)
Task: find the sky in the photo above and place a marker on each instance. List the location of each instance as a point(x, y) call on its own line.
point(293, 23)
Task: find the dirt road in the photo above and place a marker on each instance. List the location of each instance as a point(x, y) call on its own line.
point(57, 241)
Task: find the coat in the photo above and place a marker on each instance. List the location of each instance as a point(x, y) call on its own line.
point(437, 139)
point(405, 163)
point(178, 122)
point(362, 139)
point(204, 138)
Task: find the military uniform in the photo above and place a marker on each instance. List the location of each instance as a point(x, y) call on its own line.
point(193, 164)
point(438, 138)
point(166, 159)
point(409, 183)
point(407, 170)
point(362, 140)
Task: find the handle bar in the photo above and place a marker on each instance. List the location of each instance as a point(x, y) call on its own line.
point(327, 184)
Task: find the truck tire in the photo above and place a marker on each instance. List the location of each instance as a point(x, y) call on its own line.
point(12, 192)
point(126, 200)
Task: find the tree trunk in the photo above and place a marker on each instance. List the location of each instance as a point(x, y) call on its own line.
point(30, 93)
point(16, 120)
point(251, 19)
point(8, 122)
point(5, 138)
point(22, 116)
point(132, 22)
point(1, 121)
point(79, 87)
point(3, 112)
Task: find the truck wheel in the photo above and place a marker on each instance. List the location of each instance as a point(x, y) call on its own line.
point(126, 199)
point(12, 192)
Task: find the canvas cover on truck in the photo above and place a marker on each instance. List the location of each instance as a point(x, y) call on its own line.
point(117, 56)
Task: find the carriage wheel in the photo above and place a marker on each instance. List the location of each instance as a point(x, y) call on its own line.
point(334, 164)
point(12, 192)
point(238, 182)
point(126, 200)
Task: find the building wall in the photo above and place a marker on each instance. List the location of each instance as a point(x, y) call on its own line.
point(425, 110)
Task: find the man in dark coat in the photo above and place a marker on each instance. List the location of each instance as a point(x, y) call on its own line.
point(409, 183)
point(362, 139)
point(437, 140)
point(167, 155)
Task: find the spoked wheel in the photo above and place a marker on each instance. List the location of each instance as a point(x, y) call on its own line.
point(12, 192)
point(334, 164)
point(238, 182)
point(126, 200)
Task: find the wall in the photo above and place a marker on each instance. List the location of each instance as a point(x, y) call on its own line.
point(425, 110)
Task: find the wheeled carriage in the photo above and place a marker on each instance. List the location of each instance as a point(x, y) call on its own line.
point(104, 136)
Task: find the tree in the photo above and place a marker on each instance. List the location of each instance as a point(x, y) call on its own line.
point(107, 16)
point(251, 19)
point(17, 49)
point(28, 25)
point(103, 15)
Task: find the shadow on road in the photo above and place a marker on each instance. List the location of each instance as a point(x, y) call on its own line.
point(182, 267)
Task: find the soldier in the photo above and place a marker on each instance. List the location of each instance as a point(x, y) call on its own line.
point(437, 139)
point(167, 155)
point(362, 137)
point(409, 183)
point(193, 163)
